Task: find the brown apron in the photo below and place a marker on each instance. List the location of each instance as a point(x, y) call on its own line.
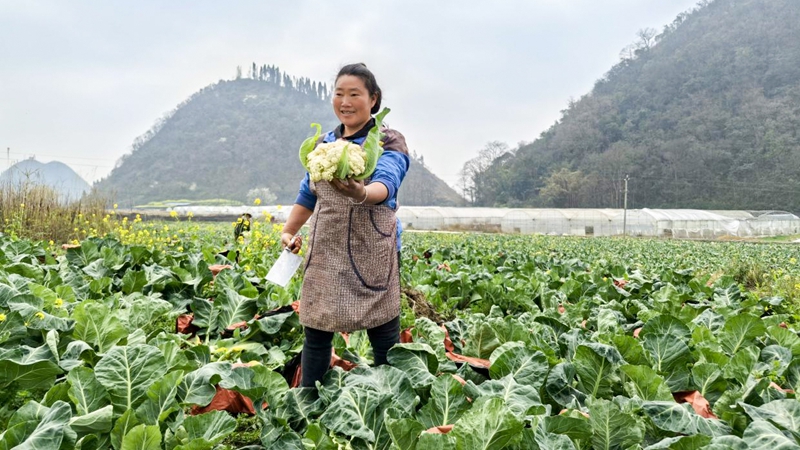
point(351, 279)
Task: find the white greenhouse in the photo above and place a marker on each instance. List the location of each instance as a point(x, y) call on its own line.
point(679, 223)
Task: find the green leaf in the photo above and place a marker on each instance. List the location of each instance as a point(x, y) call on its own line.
point(417, 360)
point(199, 386)
point(372, 145)
point(122, 426)
point(559, 385)
point(487, 425)
point(612, 428)
point(160, 401)
point(82, 256)
point(681, 443)
point(645, 383)
point(300, 406)
point(257, 383)
point(482, 342)
point(48, 433)
point(309, 144)
point(97, 325)
point(127, 372)
point(671, 416)
point(524, 365)
point(667, 325)
point(212, 427)
point(234, 307)
point(429, 441)
point(320, 439)
point(595, 365)
point(521, 399)
point(577, 428)
point(350, 413)
point(86, 393)
point(145, 310)
point(761, 435)
point(446, 404)
point(404, 432)
point(739, 331)
point(133, 281)
point(97, 421)
point(784, 413)
point(142, 437)
point(31, 368)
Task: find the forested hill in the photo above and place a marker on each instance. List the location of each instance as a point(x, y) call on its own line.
point(704, 114)
point(238, 135)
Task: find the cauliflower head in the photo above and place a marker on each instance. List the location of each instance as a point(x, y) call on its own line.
point(339, 159)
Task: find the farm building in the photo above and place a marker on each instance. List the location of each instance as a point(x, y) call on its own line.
point(679, 223)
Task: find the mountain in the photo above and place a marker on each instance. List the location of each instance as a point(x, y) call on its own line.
point(238, 135)
point(57, 175)
point(705, 114)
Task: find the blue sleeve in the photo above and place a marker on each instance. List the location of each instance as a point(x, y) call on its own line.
point(305, 197)
point(390, 170)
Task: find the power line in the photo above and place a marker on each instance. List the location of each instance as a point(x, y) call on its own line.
point(60, 156)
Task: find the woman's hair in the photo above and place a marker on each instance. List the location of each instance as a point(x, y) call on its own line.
point(360, 70)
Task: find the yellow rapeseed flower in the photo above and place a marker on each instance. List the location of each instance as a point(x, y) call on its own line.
point(257, 201)
point(39, 315)
point(2, 317)
point(115, 206)
point(22, 205)
point(173, 214)
point(58, 303)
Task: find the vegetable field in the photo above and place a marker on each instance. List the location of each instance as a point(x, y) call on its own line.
point(509, 342)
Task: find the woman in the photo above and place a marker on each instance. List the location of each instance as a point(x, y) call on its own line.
point(351, 276)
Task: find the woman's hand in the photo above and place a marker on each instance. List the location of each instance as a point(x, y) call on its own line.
point(351, 188)
point(292, 242)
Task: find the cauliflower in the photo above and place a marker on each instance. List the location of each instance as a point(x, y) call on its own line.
point(342, 159)
point(339, 159)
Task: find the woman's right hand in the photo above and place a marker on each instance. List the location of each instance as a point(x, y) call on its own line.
point(292, 242)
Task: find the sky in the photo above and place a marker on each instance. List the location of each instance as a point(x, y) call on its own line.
point(80, 80)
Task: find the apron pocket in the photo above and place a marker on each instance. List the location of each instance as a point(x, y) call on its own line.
point(371, 247)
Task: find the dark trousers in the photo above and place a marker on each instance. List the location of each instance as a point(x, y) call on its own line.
point(316, 356)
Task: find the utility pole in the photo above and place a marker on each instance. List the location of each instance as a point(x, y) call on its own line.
point(625, 213)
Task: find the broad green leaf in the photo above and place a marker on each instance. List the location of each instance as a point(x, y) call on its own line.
point(596, 365)
point(775, 359)
point(487, 425)
point(350, 413)
point(446, 404)
point(300, 406)
point(784, 413)
point(404, 432)
point(48, 433)
point(31, 368)
point(482, 342)
point(97, 325)
point(133, 281)
point(671, 416)
point(127, 372)
point(142, 437)
point(574, 427)
point(319, 437)
point(122, 426)
point(709, 380)
point(212, 427)
point(739, 331)
point(417, 360)
point(430, 441)
point(520, 399)
point(546, 440)
point(97, 421)
point(145, 310)
point(761, 435)
point(524, 365)
point(741, 364)
point(160, 399)
point(670, 357)
point(199, 387)
point(86, 393)
point(645, 383)
point(386, 379)
point(83, 255)
point(559, 385)
point(234, 307)
point(727, 443)
point(681, 443)
point(666, 324)
point(631, 350)
point(611, 428)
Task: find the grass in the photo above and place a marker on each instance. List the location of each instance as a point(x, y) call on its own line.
point(33, 211)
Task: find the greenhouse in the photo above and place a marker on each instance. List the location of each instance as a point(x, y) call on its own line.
point(679, 223)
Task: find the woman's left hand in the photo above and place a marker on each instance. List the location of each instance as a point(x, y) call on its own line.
point(350, 188)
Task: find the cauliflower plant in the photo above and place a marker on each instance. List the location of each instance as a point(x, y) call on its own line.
point(339, 159)
point(342, 159)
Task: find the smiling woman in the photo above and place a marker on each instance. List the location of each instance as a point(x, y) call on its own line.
point(351, 276)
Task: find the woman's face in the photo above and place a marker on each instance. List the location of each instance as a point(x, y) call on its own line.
point(352, 103)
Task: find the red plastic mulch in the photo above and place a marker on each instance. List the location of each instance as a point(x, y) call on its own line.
point(183, 324)
point(775, 385)
point(441, 429)
point(698, 402)
point(636, 332)
point(217, 268)
point(226, 400)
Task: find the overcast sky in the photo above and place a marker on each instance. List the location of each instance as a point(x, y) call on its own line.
point(79, 80)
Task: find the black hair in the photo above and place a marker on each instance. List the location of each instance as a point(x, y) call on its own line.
point(360, 70)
